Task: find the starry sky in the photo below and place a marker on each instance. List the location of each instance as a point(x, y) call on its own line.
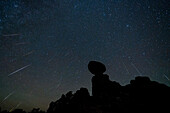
point(45, 46)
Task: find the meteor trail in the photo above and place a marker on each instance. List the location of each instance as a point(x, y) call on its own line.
point(7, 97)
point(166, 77)
point(15, 107)
point(125, 67)
point(21, 43)
point(28, 53)
point(51, 58)
point(19, 70)
point(11, 35)
point(18, 105)
point(59, 84)
point(136, 69)
point(60, 81)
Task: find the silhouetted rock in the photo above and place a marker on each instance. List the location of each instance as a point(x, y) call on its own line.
point(96, 68)
point(147, 94)
point(71, 102)
point(36, 110)
point(141, 95)
point(101, 85)
point(4, 111)
point(18, 111)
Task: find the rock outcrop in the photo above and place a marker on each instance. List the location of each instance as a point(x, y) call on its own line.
point(140, 96)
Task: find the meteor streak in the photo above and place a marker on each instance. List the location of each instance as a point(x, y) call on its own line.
point(11, 35)
point(126, 67)
point(166, 77)
point(21, 43)
point(7, 97)
point(136, 68)
point(28, 53)
point(15, 107)
point(19, 70)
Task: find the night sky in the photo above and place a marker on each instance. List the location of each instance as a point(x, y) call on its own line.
point(46, 45)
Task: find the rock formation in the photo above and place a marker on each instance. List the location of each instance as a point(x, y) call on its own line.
point(140, 96)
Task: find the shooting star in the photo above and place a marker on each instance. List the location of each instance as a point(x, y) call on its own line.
point(136, 69)
point(51, 59)
point(19, 70)
point(9, 35)
point(13, 60)
point(59, 84)
point(149, 62)
point(7, 97)
point(18, 105)
point(11, 109)
point(21, 43)
point(166, 77)
point(126, 67)
point(60, 81)
point(28, 53)
point(15, 107)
